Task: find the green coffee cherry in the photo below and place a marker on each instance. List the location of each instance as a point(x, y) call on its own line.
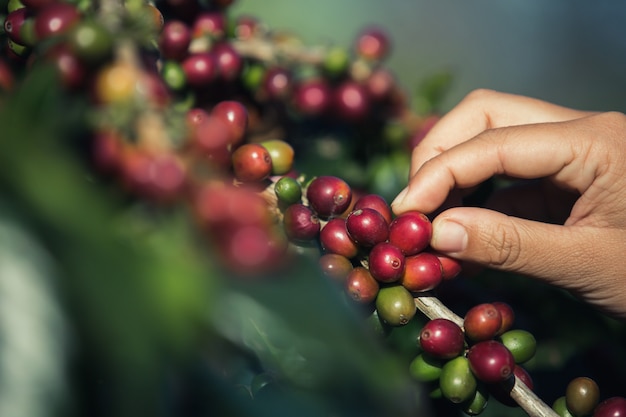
point(560, 407)
point(521, 343)
point(395, 305)
point(426, 368)
point(457, 382)
point(478, 403)
point(288, 191)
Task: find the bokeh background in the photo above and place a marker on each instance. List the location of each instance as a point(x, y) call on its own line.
point(571, 52)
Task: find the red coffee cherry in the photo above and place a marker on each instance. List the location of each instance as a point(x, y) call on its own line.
point(329, 196)
point(300, 223)
point(507, 314)
point(361, 286)
point(422, 272)
point(411, 232)
point(174, 40)
point(376, 202)
point(611, 407)
point(482, 322)
point(252, 163)
point(367, 227)
point(491, 361)
point(386, 262)
point(373, 44)
point(442, 338)
point(334, 238)
point(336, 267)
point(234, 115)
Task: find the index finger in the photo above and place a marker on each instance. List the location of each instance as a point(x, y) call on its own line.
point(483, 110)
point(525, 151)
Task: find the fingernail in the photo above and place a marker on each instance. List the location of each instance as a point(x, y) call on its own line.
point(449, 236)
point(400, 197)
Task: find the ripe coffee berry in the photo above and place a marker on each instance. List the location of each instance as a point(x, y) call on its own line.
point(422, 272)
point(442, 338)
point(491, 361)
point(361, 286)
point(251, 163)
point(329, 196)
point(482, 322)
point(507, 314)
point(411, 232)
point(334, 238)
point(611, 407)
point(300, 223)
point(367, 227)
point(376, 202)
point(386, 262)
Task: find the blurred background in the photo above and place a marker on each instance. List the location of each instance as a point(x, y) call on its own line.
point(571, 52)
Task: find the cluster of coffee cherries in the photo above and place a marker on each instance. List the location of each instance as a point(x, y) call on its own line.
point(379, 259)
point(471, 361)
point(582, 398)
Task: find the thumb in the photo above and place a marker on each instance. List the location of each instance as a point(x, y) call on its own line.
point(495, 240)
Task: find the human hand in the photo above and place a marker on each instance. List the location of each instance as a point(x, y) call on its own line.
point(580, 154)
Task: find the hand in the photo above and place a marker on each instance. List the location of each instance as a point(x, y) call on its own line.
point(582, 155)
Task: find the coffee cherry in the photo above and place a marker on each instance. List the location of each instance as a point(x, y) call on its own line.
point(426, 368)
point(229, 62)
point(501, 391)
point(456, 381)
point(288, 191)
point(520, 343)
point(491, 361)
point(210, 138)
point(411, 232)
point(373, 44)
point(334, 266)
point(559, 406)
point(476, 405)
point(209, 24)
point(507, 314)
point(277, 83)
point(174, 40)
point(334, 238)
point(13, 22)
point(351, 101)
point(252, 249)
point(329, 196)
point(282, 154)
point(422, 272)
point(361, 286)
point(442, 338)
point(582, 396)
point(376, 202)
point(450, 267)
point(55, 18)
point(482, 322)
point(234, 115)
point(386, 262)
point(300, 223)
point(312, 97)
point(395, 305)
point(251, 163)
point(367, 227)
point(116, 83)
point(611, 407)
point(90, 41)
point(200, 69)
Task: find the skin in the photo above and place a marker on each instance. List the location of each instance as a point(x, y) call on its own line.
point(564, 222)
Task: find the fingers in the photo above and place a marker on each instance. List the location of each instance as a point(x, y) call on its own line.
point(482, 110)
point(562, 256)
point(557, 150)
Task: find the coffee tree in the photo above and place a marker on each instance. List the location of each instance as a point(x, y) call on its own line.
point(211, 198)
